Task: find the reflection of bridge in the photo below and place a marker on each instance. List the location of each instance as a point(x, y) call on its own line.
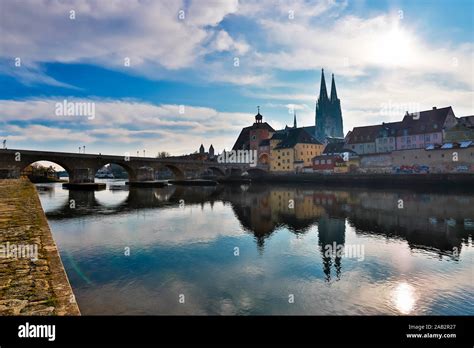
point(82, 168)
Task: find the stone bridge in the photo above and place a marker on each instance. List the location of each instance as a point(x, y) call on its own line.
point(82, 168)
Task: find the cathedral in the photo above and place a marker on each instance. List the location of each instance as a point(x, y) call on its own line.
point(328, 118)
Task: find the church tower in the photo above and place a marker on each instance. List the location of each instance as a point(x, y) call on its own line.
point(328, 112)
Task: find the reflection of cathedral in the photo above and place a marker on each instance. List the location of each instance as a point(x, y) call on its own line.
point(331, 231)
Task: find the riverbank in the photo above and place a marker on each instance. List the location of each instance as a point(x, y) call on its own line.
point(461, 181)
point(32, 277)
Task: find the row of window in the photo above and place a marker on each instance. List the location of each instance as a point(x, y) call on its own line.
point(279, 165)
point(328, 161)
point(427, 137)
point(284, 153)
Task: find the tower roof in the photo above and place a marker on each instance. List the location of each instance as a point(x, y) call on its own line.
point(258, 117)
point(294, 120)
point(323, 93)
point(333, 89)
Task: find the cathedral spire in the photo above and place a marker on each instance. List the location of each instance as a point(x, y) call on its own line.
point(333, 90)
point(294, 120)
point(323, 93)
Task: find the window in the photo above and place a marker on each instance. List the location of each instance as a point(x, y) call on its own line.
point(254, 137)
point(316, 162)
point(329, 161)
point(435, 136)
point(323, 161)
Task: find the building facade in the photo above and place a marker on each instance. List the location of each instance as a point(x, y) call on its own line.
point(416, 131)
point(255, 137)
point(419, 130)
point(362, 139)
point(292, 149)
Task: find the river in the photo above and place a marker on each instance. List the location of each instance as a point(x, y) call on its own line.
point(251, 249)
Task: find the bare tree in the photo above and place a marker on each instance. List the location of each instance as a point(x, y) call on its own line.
point(163, 154)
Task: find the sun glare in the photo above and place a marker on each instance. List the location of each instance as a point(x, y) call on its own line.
point(393, 47)
point(404, 298)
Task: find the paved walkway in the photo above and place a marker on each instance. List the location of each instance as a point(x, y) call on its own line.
point(32, 276)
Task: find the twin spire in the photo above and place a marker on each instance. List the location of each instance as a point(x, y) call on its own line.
point(323, 94)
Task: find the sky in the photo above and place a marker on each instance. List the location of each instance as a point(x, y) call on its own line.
point(170, 75)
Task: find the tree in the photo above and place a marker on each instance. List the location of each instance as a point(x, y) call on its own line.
point(163, 154)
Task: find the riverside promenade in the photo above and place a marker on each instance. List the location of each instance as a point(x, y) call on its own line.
point(32, 277)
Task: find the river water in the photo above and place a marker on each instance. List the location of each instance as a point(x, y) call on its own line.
point(265, 250)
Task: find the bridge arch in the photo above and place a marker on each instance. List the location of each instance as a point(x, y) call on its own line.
point(256, 171)
point(31, 162)
point(217, 171)
point(131, 172)
point(178, 172)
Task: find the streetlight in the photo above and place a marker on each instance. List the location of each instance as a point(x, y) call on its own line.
point(84, 147)
point(143, 153)
point(4, 144)
point(79, 149)
point(138, 153)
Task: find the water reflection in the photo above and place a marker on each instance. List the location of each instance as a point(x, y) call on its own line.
point(183, 238)
point(432, 222)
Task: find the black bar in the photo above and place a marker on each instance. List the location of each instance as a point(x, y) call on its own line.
point(288, 330)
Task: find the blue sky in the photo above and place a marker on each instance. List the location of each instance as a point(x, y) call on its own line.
point(182, 86)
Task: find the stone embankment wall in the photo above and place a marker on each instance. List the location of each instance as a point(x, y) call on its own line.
point(32, 277)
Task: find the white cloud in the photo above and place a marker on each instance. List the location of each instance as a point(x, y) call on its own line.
point(119, 124)
point(223, 42)
point(352, 46)
point(149, 33)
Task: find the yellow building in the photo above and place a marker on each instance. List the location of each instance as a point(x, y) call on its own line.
point(293, 148)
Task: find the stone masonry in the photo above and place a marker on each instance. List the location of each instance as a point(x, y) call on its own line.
point(30, 286)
